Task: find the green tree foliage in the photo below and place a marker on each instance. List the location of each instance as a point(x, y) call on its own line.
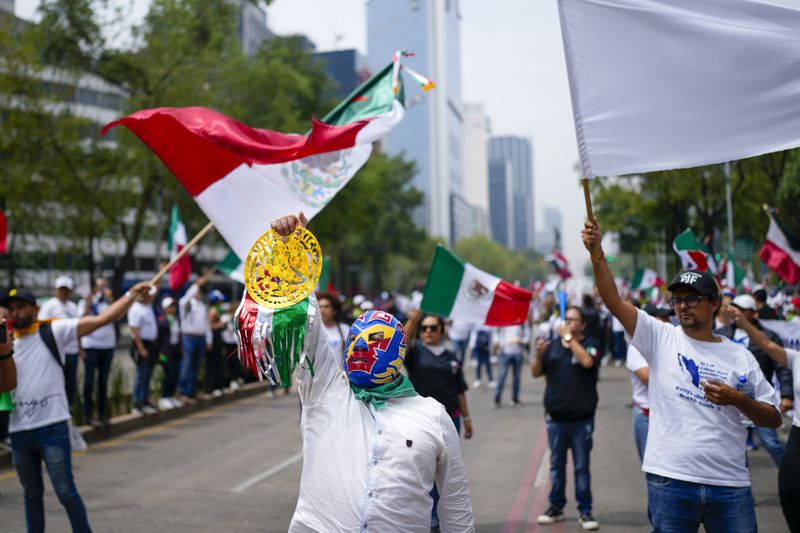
point(487, 255)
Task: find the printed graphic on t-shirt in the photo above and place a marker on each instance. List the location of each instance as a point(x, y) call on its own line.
point(695, 374)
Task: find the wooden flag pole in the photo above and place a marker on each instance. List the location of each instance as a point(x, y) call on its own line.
point(200, 234)
point(595, 251)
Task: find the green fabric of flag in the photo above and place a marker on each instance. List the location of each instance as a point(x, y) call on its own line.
point(444, 280)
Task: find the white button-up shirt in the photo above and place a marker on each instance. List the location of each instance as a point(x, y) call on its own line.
point(194, 314)
point(367, 469)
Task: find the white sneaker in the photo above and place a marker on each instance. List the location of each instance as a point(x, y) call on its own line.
point(474, 363)
point(493, 359)
point(617, 363)
point(136, 412)
point(176, 403)
point(149, 410)
point(492, 384)
point(216, 393)
point(270, 394)
point(165, 404)
point(476, 384)
point(588, 522)
point(235, 385)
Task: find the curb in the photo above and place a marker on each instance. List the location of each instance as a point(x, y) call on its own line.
point(123, 424)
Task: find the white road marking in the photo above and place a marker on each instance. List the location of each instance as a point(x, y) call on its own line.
point(544, 466)
point(266, 474)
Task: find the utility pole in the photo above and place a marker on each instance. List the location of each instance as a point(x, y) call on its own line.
point(727, 169)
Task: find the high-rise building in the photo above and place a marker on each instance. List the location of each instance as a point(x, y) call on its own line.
point(476, 166)
point(252, 27)
point(548, 238)
point(7, 6)
point(431, 134)
point(347, 69)
point(511, 162)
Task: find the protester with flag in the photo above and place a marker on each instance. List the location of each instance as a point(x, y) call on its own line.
point(695, 461)
point(559, 263)
point(388, 446)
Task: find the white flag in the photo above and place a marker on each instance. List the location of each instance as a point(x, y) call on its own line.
point(662, 84)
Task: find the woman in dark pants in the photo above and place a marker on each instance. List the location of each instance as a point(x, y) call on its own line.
point(436, 372)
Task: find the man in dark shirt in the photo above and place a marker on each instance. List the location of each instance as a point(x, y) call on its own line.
point(747, 306)
point(570, 400)
point(765, 312)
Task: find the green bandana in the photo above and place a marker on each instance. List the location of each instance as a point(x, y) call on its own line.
point(377, 396)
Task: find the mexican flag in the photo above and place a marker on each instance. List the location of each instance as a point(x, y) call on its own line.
point(244, 177)
point(734, 274)
point(691, 253)
point(559, 263)
point(781, 251)
point(645, 278)
point(460, 291)
point(180, 271)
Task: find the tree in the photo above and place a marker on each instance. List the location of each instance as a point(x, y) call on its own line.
point(492, 257)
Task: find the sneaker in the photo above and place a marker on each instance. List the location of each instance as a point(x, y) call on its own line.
point(476, 384)
point(751, 445)
point(493, 359)
point(176, 403)
point(216, 393)
point(235, 385)
point(618, 363)
point(149, 410)
point(551, 516)
point(496, 404)
point(516, 403)
point(588, 522)
point(165, 404)
point(270, 394)
point(136, 412)
point(473, 363)
point(492, 384)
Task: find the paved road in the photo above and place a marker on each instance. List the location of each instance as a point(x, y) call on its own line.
point(237, 468)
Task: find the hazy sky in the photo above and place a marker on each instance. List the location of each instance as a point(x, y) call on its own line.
point(512, 62)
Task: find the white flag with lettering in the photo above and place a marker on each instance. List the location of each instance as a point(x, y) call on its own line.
point(662, 84)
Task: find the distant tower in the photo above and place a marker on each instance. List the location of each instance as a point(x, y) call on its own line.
point(511, 205)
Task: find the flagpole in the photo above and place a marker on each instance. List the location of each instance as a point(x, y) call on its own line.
point(728, 200)
point(587, 198)
point(200, 234)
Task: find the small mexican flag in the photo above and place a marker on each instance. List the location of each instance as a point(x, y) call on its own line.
point(462, 292)
point(781, 251)
point(645, 278)
point(232, 266)
point(734, 274)
point(180, 271)
point(691, 253)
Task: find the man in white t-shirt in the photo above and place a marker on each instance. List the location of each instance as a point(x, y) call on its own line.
point(38, 424)
point(330, 309)
point(695, 460)
point(60, 306)
point(144, 332)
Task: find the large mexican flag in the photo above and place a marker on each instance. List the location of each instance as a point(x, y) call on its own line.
point(243, 177)
point(460, 291)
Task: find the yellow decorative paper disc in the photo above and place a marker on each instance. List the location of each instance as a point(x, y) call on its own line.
point(278, 274)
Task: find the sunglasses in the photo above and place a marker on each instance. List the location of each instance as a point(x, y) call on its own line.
point(690, 301)
point(429, 328)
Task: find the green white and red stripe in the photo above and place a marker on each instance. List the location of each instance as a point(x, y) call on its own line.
point(232, 266)
point(691, 253)
point(244, 177)
point(460, 291)
point(646, 278)
point(781, 251)
point(180, 271)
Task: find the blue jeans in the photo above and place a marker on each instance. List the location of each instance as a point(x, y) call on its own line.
point(640, 422)
point(562, 436)
point(769, 437)
point(675, 506)
point(434, 492)
point(144, 370)
point(101, 361)
point(51, 444)
point(618, 345)
point(482, 357)
point(460, 348)
point(194, 350)
point(515, 362)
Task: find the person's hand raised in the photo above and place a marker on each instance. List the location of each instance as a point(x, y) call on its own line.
point(590, 234)
point(286, 225)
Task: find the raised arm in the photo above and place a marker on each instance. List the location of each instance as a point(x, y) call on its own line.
point(411, 325)
point(776, 352)
point(115, 311)
point(624, 311)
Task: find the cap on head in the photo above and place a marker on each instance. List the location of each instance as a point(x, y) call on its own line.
point(216, 296)
point(744, 301)
point(18, 294)
point(695, 280)
point(166, 302)
point(63, 282)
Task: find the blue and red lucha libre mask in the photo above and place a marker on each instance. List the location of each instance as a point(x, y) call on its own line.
point(376, 348)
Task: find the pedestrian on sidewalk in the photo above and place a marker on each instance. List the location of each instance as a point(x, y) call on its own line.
point(458, 332)
point(435, 372)
point(569, 364)
point(373, 469)
point(215, 358)
point(169, 351)
point(195, 336)
point(746, 305)
point(144, 351)
point(695, 461)
point(512, 342)
point(789, 470)
point(481, 342)
point(99, 348)
point(640, 377)
point(38, 424)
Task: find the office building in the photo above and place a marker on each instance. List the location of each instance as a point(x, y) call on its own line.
point(432, 131)
point(346, 68)
point(549, 238)
point(511, 191)
point(476, 166)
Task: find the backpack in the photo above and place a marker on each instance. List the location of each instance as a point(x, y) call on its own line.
point(482, 340)
point(46, 333)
